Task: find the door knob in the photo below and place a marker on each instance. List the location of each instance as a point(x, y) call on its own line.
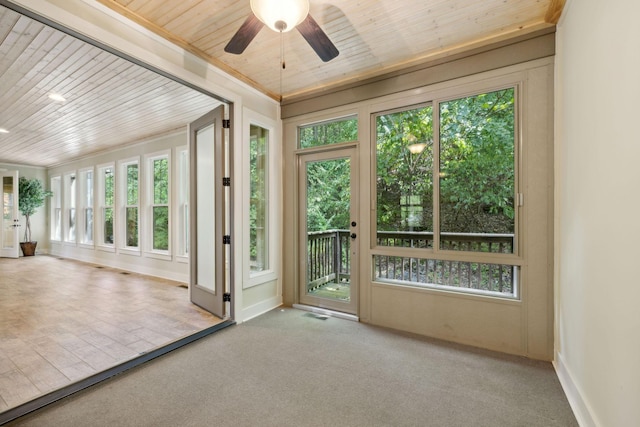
point(353, 235)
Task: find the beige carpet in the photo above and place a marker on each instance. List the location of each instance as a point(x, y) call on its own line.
point(291, 368)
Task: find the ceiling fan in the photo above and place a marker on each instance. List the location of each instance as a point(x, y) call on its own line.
point(282, 16)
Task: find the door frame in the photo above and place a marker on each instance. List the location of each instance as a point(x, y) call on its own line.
point(14, 251)
point(211, 299)
point(335, 152)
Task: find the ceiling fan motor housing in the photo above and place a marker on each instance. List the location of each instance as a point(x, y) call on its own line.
point(280, 15)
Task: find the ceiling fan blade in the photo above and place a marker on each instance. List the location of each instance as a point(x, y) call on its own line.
point(244, 35)
point(317, 39)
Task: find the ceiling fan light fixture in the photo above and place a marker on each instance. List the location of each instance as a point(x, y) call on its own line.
point(280, 15)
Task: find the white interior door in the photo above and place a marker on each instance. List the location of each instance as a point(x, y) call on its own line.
point(208, 210)
point(9, 237)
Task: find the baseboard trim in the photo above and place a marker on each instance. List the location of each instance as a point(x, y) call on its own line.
point(580, 408)
point(260, 308)
point(326, 312)
point(56, 395)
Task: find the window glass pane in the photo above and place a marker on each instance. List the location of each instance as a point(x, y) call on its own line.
point(329, 133)
point(88, 225)
point(108, 225)
point(477, 173)
point(132, 227)
point(56, 209)
point(108, 186)
point(70, 198)
point(72, 224)
point(87, 204)
point(161, 228)
point(161, 181)
point(132, 184)
point(183, 197)
point(258, 164)
point(404, 182)
point(469, 276)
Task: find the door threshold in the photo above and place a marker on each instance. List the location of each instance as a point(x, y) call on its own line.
point(327, 312)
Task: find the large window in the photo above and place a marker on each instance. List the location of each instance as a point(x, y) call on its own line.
point(158, 179)
point(258, 199)
point(130, 203)
point(106, 191)
point(56, 208)
point(446, 181)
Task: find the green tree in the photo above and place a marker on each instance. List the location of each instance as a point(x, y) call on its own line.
point(477, 185)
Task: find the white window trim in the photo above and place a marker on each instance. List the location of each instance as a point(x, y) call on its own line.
point(83, 206)
point(121, 207)
point(273, 200)
point(98, 236)
point(147, 232)
point(180, 206)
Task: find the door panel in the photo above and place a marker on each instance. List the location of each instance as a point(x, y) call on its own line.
point(9, 237)
point(328, 230)
point(207, 255)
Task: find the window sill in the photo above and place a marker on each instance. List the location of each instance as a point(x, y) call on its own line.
point(260, 278)
point(158, 255)
point(127, 251)
point(111, 249)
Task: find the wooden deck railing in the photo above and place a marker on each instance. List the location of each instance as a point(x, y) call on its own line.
point(329, 252)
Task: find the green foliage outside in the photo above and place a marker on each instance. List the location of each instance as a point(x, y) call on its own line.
point(477, 185)
point(329, 133)
point(109, 181)
point(161, 197)
point(258, 197)
point(476, 168)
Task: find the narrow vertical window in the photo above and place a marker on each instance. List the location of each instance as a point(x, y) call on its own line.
point(88, 207)
point(106, 185)
point(56, 208)
point(404, 154)
point(131, 204)
point(258, 208)
point(477, 173)
point(183, 203)
point(158, 168)
point(70, 207)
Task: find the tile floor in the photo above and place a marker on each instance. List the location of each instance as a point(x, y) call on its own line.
point(63, 320)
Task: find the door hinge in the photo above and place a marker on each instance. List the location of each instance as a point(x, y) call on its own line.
point(226, 124)
point(520, 199)
point(226, 181)
point(226, 240)
point(226, 297)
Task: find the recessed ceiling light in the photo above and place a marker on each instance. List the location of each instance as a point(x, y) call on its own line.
point(57, 97)
point(3, 130)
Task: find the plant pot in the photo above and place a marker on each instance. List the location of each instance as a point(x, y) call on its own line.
point(28, 248)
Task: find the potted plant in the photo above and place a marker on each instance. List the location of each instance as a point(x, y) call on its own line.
point(31, 196)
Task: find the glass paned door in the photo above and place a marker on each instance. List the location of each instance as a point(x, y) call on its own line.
point(10, 220)
point(208, 212)
point(328, 232)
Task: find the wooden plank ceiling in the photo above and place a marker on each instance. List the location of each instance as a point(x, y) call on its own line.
point(111, 102)
point(373, 36)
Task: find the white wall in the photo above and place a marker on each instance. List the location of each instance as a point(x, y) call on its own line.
point(39, 219)
point(173, 267)
point(598, 210)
